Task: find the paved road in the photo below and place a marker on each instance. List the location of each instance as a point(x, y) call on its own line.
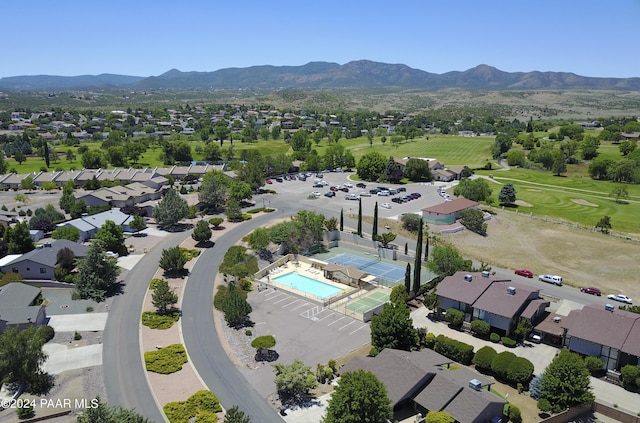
point(200, 337)
point(124, 375)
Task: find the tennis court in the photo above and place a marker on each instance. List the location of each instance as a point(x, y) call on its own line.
point(367, 303)
point(373, 267)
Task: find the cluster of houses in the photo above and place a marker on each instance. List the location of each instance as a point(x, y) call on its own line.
point(586, 331)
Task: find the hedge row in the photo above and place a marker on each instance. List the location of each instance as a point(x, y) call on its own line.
point(160, 321)
point(166, 360)
point(453, 349)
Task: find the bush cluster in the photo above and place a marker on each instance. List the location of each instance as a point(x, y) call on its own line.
point(453, 349)
point(631, 377)
point(512, 369)
point(160, 321)
point(480, 328)
point(154, 282)
point(508, 342)
point(166, 360)
point(483, 359)
point(494, 337)
point(190, 253)
point(46, 333)
point(201, 407)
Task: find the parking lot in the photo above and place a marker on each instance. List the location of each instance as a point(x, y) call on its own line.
point(301, 192)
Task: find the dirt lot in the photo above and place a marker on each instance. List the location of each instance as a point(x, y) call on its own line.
point(584, 258)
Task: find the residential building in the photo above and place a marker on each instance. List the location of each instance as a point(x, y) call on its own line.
point(446, 213)
point(19, 308)
point(41, 262)
point(89, 225)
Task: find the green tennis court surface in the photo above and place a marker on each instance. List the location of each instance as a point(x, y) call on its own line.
point(367, 303)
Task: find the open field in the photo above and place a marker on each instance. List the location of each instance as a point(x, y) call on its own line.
point(584, 258)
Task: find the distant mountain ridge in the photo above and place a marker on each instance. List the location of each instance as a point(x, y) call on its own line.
point(326, 75)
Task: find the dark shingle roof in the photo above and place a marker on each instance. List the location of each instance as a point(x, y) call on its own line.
point(457, 288)
point(48, 255)
point(15, 300)
point(497, 301)
point(594, 323)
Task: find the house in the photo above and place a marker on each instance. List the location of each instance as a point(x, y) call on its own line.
point(589, 331)
point(501, 303)
point(19, 308)
point(89, 225)
point(421, 381)
point(446, 213)
point(348, 275)
point(120, 196)
point(36, 234)
point(13, 180)
point(41, 262)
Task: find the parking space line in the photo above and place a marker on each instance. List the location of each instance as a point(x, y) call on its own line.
point(363, 326)
point(284, 299)
point(326, 317)
point(297, 307)
point(348, 324)
point(287, 305)
point(276, 297)
point(336, 321)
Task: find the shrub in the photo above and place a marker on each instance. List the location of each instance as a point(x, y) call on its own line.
point(246, 216)
point(494, 337)
point(453, 349)
point(248, 332)
point(163, 321)
point(630, 376)
point(515, 415)
point(77, 336)
point(519, 371)
point(594, 365)
point(411, 222)
point(500, 364)
point(216, 221)
point(89, 309)
point(455, 317)
point(254, 211)
point(166, 360)
point(25, 411)
point(481, 328)
point(534, 387)
point(508, 342)
point(201, 406)
point(190, 253)
point(430, 340)
point(373, 352)
point(544, 405)
point(483, 358)
point(46, 332)
point(154, 282)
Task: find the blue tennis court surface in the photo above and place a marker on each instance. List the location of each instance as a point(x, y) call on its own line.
point(373, 267)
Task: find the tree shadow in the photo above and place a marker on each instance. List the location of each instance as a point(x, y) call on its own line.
point(205, 244)
point(509, 205)
point(266, 355)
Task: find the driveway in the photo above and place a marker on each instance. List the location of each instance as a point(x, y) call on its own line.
point(62, 358)
point(86, 322)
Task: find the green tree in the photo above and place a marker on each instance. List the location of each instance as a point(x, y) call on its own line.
point(604, 224)
point(240, 191)
point(172, 260)
point(360, 217)
point(393, 328)
point(111, 236)
point(93, 159)
point(236, 308)
point(516, 158)
point(21, 359)
point(393, 171)
point(446, 260)
point(19, 239)
point(407, 278)
point(385, 238)
point(417, 170)
point(27, 183)
point(235, 415)
point(101, 412)
point(589, 147)
point(263, 343)
point(507, 194)
point(96, 275)
point(480, 328)
point(233, 210)
point(374, 231)
point(484, 357)
point(455, 317)
point(341, 219)
point(138, 224)
point(566, 382)
point(559, 165)
point(214, 189)
point(417, 265)
point(502, 145)
point(19, 157)
point(399, 295)
point(371, 166)
point(473, 189)
point(473, 219)
point(70, 233)
point(439, 417)
point(163, 296)
point(171, 209)
point(411, 221)
point(259, 240)
point(293, 381)
point(360, 397)
point(619, 192)
point(3, 165)
point(628, 147)
point(201, 233)
point(523, 328)
point(78, 209)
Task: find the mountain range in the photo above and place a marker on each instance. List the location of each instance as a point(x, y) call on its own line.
point(361, 74)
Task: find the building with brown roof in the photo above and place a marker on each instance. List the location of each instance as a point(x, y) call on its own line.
point(498, 302)
point(349, 275)
point(446, 213)
point(421, 381)
point(609, 333)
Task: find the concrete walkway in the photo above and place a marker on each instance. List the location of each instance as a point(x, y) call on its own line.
point(61, 358)
point(85, 322)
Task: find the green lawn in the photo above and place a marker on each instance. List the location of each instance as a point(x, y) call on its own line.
point(552, 196)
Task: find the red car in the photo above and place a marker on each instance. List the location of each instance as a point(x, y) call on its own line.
point(524, 272)
point(268, 181)
point(333, 188)
point(591, 290)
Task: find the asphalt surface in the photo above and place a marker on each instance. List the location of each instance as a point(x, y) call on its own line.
point(125, 375)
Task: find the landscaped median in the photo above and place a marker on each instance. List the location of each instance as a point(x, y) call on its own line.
point(173, 380)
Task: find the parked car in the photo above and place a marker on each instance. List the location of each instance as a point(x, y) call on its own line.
point(406, 198)
point(348, 184)
point(534, 337)
point(111, 254)
point(316, 193)
point(334, 188)
point(621, 298)
point(329, 194)
point(554, 279)
point(318, 185)
point(524, 272)
point(416, 194)
point(345, 189)
point(365, 194)
point(591, 290)
point(351, 197)
point(397, 200)
point(268, 181)
point(373, 191)
point(383, 193)
point(361, 185)
point(402, 189)
point(278, 179)
point(385, 205)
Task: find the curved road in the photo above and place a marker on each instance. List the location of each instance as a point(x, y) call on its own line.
point(124, 372)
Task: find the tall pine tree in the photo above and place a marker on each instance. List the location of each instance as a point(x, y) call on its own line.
point(341, 220)
point(360, 217)
point(418, 261)
point(407, 278)
point(374, 232)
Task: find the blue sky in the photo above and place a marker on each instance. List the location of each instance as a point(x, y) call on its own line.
point(144, 37)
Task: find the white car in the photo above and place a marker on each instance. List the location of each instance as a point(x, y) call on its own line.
point(352, 197)
point(112, 254)
point(554, 279)
point(316, 193)
point(383, 193)
point(621, 298)
point(348, 184)
point(385, 205)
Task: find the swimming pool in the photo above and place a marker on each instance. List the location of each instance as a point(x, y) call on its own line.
point(311, 286)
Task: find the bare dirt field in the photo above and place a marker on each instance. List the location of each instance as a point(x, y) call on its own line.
point(584, 258)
